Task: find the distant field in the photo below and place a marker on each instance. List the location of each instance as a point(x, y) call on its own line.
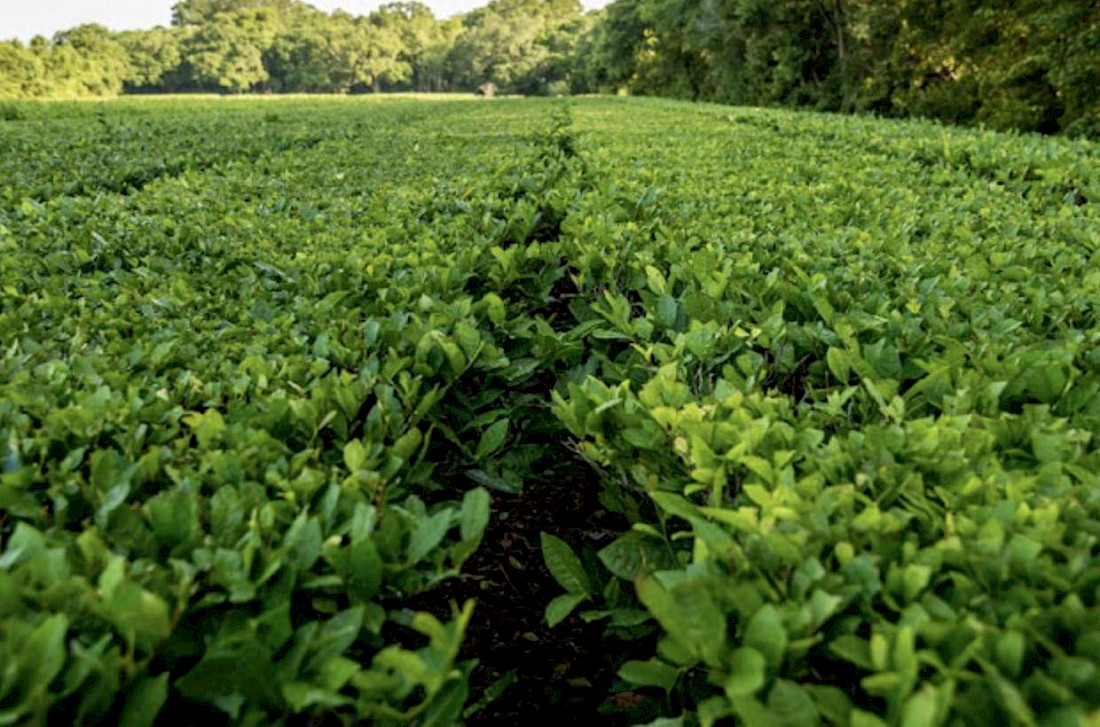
point(394, 411)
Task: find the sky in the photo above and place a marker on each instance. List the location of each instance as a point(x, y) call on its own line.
point(25, 19)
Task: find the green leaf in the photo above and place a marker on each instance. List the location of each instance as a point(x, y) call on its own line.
point(564, 565)
point(493, 482)
point(650, 673)
point(915, 578)
point(560, 608)
point(837, 360)
point(301, 696)
point(140, 615)
point(689, 613)
point(364, 570)
point(823, 605)
point(753, 713)
point(920, 709)
point(144, 701)
point(865, 719)
point(713, 709)
point(492, 693)
point(208, 426)
point(25, 543)
point(428, 534)
point(303, 542)
point(746, 673)
point(336, 636)
point(492, 439)
point(1009, 649)
point(792, 704)
point(46, 646)
point(474, 516)
point(832, 703)
point(1012, 700)
point(766, 634)
point(174, 516)
point(355, 455)
point(114, 497)
point(445, 708)
point(635, 554)
point(905, 654)
point(854, 649)
point(667, 310)
point(235, 668)
point(406, 445)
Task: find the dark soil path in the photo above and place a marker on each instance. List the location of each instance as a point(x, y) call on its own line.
point(565, 674)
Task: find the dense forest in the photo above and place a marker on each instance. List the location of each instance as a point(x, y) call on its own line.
point(1030, 65)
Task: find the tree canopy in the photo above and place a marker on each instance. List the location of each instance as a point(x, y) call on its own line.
point(1028, 65)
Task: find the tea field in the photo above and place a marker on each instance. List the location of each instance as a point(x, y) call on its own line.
point(601, 411)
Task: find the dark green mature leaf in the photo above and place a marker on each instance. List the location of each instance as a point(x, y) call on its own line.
point(175, 517)
point(566, 568)
point(365, 570)
point(493, 438)
point(303, 542)
point(144, 701)
point(635, 554)
point(492, 693)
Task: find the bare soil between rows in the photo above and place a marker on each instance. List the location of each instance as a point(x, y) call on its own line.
point(565, 675)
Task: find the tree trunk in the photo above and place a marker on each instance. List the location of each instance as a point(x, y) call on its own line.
point(841, 44)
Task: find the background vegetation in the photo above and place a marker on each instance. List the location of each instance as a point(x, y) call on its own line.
point(1028, 65)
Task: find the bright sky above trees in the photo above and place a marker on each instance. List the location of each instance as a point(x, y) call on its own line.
point(49, 16)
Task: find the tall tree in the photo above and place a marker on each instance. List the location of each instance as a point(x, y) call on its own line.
point(227, 52)
point(197, 12)
point(155, 58)
point(22, 72)
point(90, 59)
point(507, 41)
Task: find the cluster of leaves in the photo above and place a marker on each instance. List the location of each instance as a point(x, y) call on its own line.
point(251, 405)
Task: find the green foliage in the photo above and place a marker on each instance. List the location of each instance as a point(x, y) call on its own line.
point(240, 46)
point(1008, 66)
point(84, 61)
point(233, 518)
point(519, 45)
point(859, 506)
point(569, 572)
point(260, 378)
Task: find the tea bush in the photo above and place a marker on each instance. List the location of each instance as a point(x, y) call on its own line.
point(263, 372)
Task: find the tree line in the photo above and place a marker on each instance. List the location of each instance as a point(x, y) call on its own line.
point(288, 46)
point(1030, 65)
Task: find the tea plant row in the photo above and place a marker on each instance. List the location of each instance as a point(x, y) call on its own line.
point(265, 365)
